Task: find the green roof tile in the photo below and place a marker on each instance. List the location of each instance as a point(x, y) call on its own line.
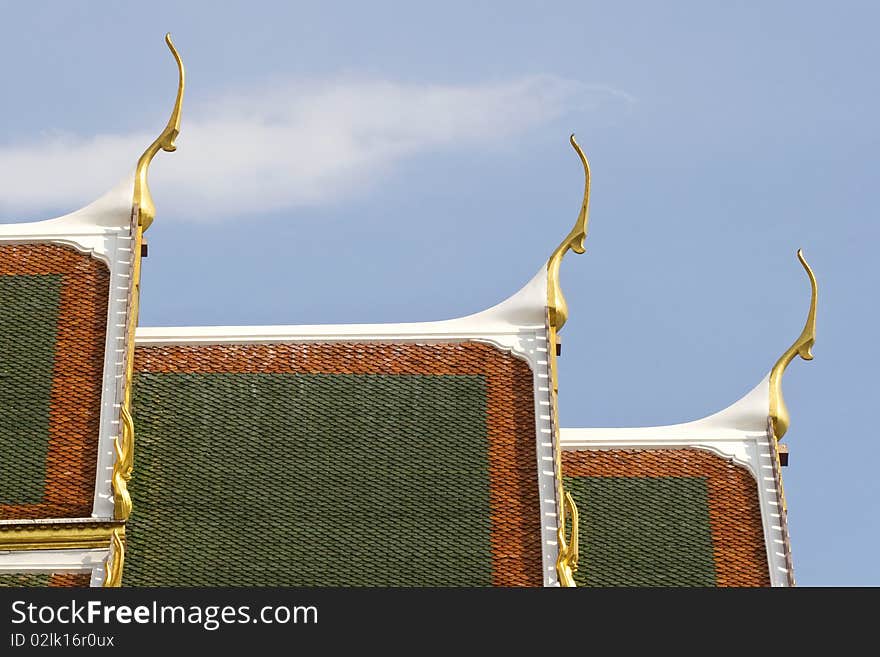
point(310, 479)
point(643, 531)
point(28, 326)
point(15, 580)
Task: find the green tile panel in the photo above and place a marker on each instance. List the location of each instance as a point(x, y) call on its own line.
point(643, 531)
point(310, 479)
point(28, 326)
point(17, 580)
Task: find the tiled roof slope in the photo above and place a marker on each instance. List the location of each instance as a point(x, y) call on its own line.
point(693, 504)
point(338, 463)
point(65, 290)
point(53, 316)
point(666, 517)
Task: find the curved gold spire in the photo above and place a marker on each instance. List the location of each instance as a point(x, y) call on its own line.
point(557, 314)
point(143, 201)
point(573, 241)
point(802, 347)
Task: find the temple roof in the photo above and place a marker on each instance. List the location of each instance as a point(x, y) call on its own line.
point(351, 454)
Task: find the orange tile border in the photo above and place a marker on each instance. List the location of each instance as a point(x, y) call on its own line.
point(77, 379)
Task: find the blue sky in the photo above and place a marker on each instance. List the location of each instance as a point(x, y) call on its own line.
point(373, 162)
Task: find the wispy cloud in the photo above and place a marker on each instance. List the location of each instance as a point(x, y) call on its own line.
point(291, 144)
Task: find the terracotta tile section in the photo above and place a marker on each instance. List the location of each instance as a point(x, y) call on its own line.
point(70, 580)
point(516, 528)
point(734, 509)
point(75, 404)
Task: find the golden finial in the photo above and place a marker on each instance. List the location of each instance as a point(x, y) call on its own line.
point(567, 559)
point(165, 141)
point(115, 561)
point(143, 201)
point(124, 447)
point(802, 347)
point(574, 241)
point(557, 314)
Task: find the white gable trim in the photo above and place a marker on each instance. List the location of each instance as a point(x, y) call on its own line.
point(56, 561)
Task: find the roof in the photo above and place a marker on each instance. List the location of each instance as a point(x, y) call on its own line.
point(337, 464)
point(53, 323)
point(384, 454)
